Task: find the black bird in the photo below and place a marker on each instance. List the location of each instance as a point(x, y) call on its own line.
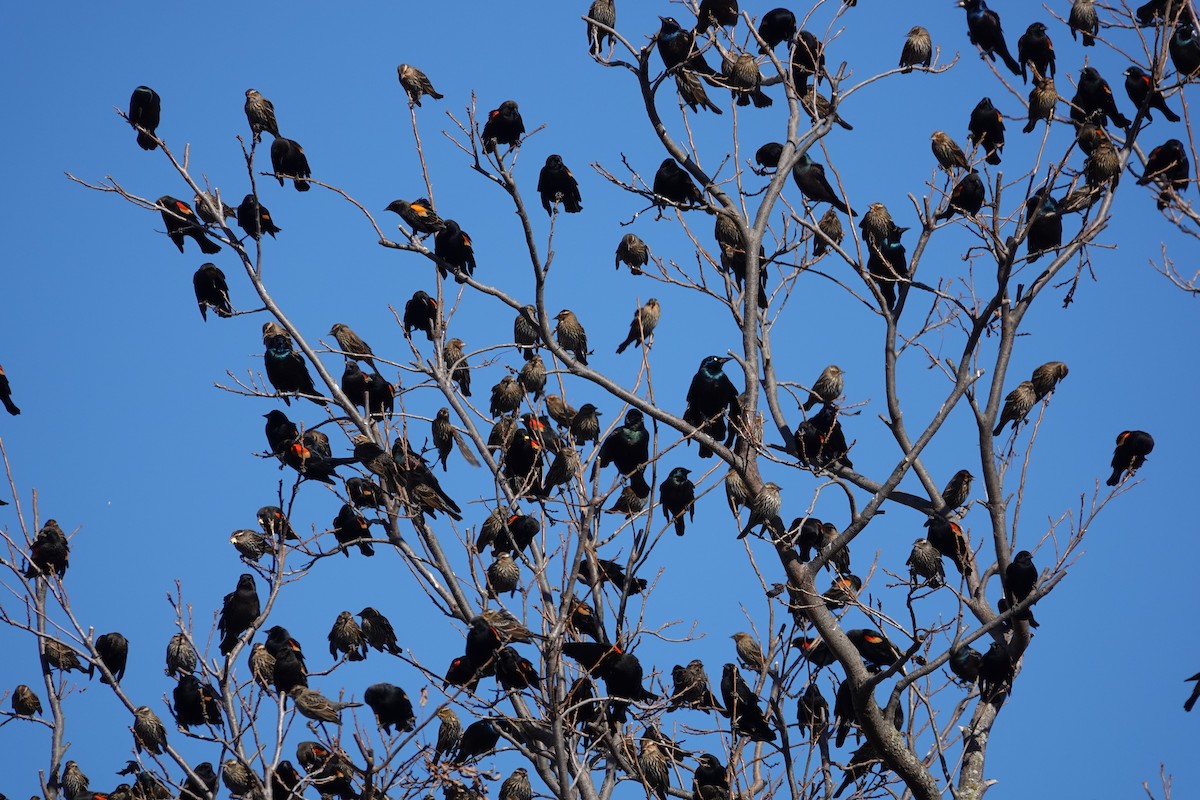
point(287, 371)
point(479, 739)
point(452, 245)
point(984, 31)
point(691, 688)
point(274, 524)
point(1184, 48)
point(113, 649)
point(514, 671)
point(623, 674)
point(768, 155)
point(1020, 578)
point(607, 571)
point(1130, 454)
point(1168, 166)
point(504, 126)
point(808, 58)
point(996, 670)
point(6, 395)
point(628, 447)
point(196, 703)
point(888, 264)
point(709, 396)
point(287, 158)
point(420, 313)
point(917, 50)
point(1094, 95)
point(776, 26)
point(874, 647)
point(744, 712)
point(1190, 703)
point(810, 178)
point(1045, 224)
point(378, 631)
point(238, 612)
point(678, 47)
point(966, 197)
point(50, 551)
point(820, 440)
point(211, 291)
point(288, 671)
point(1145, 95)
point(145, 107)
point(710, 780)
point(205, 783)
point(391, 706)
point(254, 218)
point(350, 528)
point(370, 392)
point(673, 182)
point(1035, 48)
point(964, 663)
point(280, 639)
point(812, 712)
point(677, 495)
point(556, 183)
point(722, 13)
point(419, 215)
point(181, 221)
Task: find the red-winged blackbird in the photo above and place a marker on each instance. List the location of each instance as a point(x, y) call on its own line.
point(503, 575)
point(986, 129)
point(1094, 95)
point(463, 672)
point(260, 113)
point(365, 493)
point(532, 377)
point(1016, 405)
point(288, 372)
point(1083, 19)
point(514, 671)
point(917, 50)
point(378, 631)
point(741, 74)
point(722, 13)
point(947, 152)
point(113, 650)
point(692, 93)
point(958, 490)
point(372, 393)
point(353, 346)
point(830, 225)
point(874, 647)
point(211, 209)
point(776, 26)
point(449, 731)
point(1168, 166)
point(1035, 48)
point(1020, 578)
point(557, 184)
point(1045, 227)
point(415, 83)
point(238, 611)
point(504, 126)
point(1046, 377)
point(984, 31)
point(50, 551)
point(827, 388)
point(288, 671)
point(287, 158)
point(419, 215)
point(808, 58)
point(710, 781)
point(1184, 48)
point(254, 218)
point(1130, 454)
point(523, 462)
point(316, 706)
point(211, 291)
point(6, 395)
point(1195, 695)
point(951, 541)
point(25, 702)
point(331, 772)
point(196, 703)
point(148, 731)
point(201, 784)
point(73, 782)
point(677, 46)
point(805, 534)
point(583, 620)
point(842, 592)
point(622, 675)
point(691, 688)
point(710, 396)
point(810, 179)
point(1145, 95)
point(285, 782)
point(604, 12)
point(749, 654)
point(812, 712)
point(925, 561)
point(632, 252)
point(181, 221)
point(966, 197)
point(479, 739)
point(673, 183)
point(820, 441)
point(964, 663)
point(347, 637)
point(391, 706)
point(742, 704)
point(571, 336)
point(145, 108)
point(453, 246)
point(655, 768)
point(456, 363)
point(181, 657)
point(420, 313)
point(678, 495)
point(351, 528)
point(641, 328)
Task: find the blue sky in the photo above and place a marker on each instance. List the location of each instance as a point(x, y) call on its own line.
point(126, 440)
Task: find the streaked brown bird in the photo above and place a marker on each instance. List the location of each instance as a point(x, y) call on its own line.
point(316, 706)
point(1046, 377)
point(585, 424)
point(949, 155)
point(877, 225)
point(415, 83)
point(736, 493)
point(25, 701)
point(827, 388)
point(917, 50)
point(418, 215)
point(347, 637)
point(957, 490)
point(73, 782)
point(605, 13)
point(181, 657)
point(1016, 405)
point(456, 362)
point(925, 561)
point(764, 509)
point(526, 332)
point(516, 786)
point(260, 113)
point(241, 781)
point(506, 396)
point(262, 667)
point(571, 336)
point(61, 657)
point(1042, 98)
point(449, 732)
point(641, 328)
point(532, 376)
point(632, 252)
point(211, 209)
point(655, 768)
point(559, 410)
point(353, 346)
point(1103, 165)
point(692, 92)
point(1084, 20)
point(748, 651)
point(503, 575)
point(830, 224)
point(744, 79)
point(819, 107)
point(148, 731)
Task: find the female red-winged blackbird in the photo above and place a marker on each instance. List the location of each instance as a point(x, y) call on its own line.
point(6, 395)
point(947, 152)
point(1168, 166)
point(456, 362)
point(957, 490)
point(347, 637)
point(391, 706)
point(925, 561)
point(1145, 95)
point(557, 184)
point(776, 26)
point(316, 706)
point(742, 76)
point(1130, 454)
point(503, 575)
point(453, 246)
point(641, 328)
point(449, 731)
point(749, 653)
point(655, 768)
point(745, 714)
point(211, 291)
point(830, 225)
point(353, 346)
point(260, 113)
point(181, 657)
point(827, 388)
point(196, 703)
point(1083, 19)
point(145, 108)
point(691, 688)
point(262, 667)
point(149, 733)
point(604, 12)
point(764, 509)
point(692, 93)
point(61, 657)
point(917, 50)
point(584, 424)
point(632, 252)
point(287, 158)
point(571, 336)
point(181, 221)
point(504, 126)
point(254, 218)
point(415, 83)
point(25, 702)
point(1046, 377)
point(1016, 405)
point(238, 611)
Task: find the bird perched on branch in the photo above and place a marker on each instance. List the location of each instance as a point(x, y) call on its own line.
point(605, 13)
point(287, 158)
point(181, 221)
point(985, 32)
point(641, 328)
point(711, 395)
point(145, 110)
point(633, 253)
point(917, 50)
point(416, 83)
point(556, 184)
point(504, 126)
point(1130, 454)
point(260, 113)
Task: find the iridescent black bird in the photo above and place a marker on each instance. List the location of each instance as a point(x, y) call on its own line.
point(287, 158)
point(418, 215)
point(964, 663)
point(1045, 224)
point(1145, 95)
point(984, 31)
point(255, 219)
point(673, 182)
point(1168, 166)
point(557, 184)
point(768, 155)
point(420, 313)
point(477, 740)
point(888, 264)
point(810, 178)
point(287, 371)
point(504, 126)
point(211, 291)
point(986, 129)
point(145, 108)
point(966, 197)
point(1184, 48)
point(710, 395)
point(453, 246)
point(1093, 94)
point(1035, 49)
point(776, 26)
point(1130, 454)
point(677, 495)
point(628, 447)
point(181, 221)
point(6, 395)
point(678, 47)
point(238, 611)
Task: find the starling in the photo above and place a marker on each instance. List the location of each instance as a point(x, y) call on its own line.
point(827, 388)
point(874, 647)
point(1045, 225)
point(641, 328)
point(526, 332)
point(181, 658)
point(239, 610)
point(6, 395)
point(25, 702)
point(948, 538)
point(831, 226)
point(917, 50)
point(1035, 48)
point(986, 129)
point(947, 152)
point(288, 372)
point(571, 336)
point(352, 345)
point(810, 179)
point(73, 782)
point(673, 183)
point(196, 703)
point(820, 441)
point(556, 184)
point(605, 13)
point(812, 712)
point(420, 313)
point(632, 252)
point(677, 47)
point(957, 490)
point(378, 632)
point(744, 713)
point(749, 654)
point(742, 76)
point(347, 637)
point(260, 112)
point(925, 561)
point(1018, 403)
point(1046, 377)
point(1093, 94)
point(692, 93)
point(710, 395)
point(316, 706)
point(768, 156)
point(808, 58)
point(415, 83)
point(456, 363)
point(479, 739)
point(262, 667)
point(255, 219)
point(764, 510)
point(50, 551)
point(585, 423)
point(1168, 166)
point(1184, 49)
point(113, 651)
point(985, 32)
point(1144, 95)
point(1083, 19)
point(1130, 454)
point(418, 215)
point(453, 247)
point(776, 27)
point(287, 158)
point(211, 291)
point(181, 221)
point(148, 731)
point(504, 126)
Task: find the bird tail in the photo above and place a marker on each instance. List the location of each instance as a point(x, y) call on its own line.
point(993, 156)
point(1089, 41)
point(1009, 62)
point(10, 406)
point(301, 186)
point(207, 246)
point(146, 141)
